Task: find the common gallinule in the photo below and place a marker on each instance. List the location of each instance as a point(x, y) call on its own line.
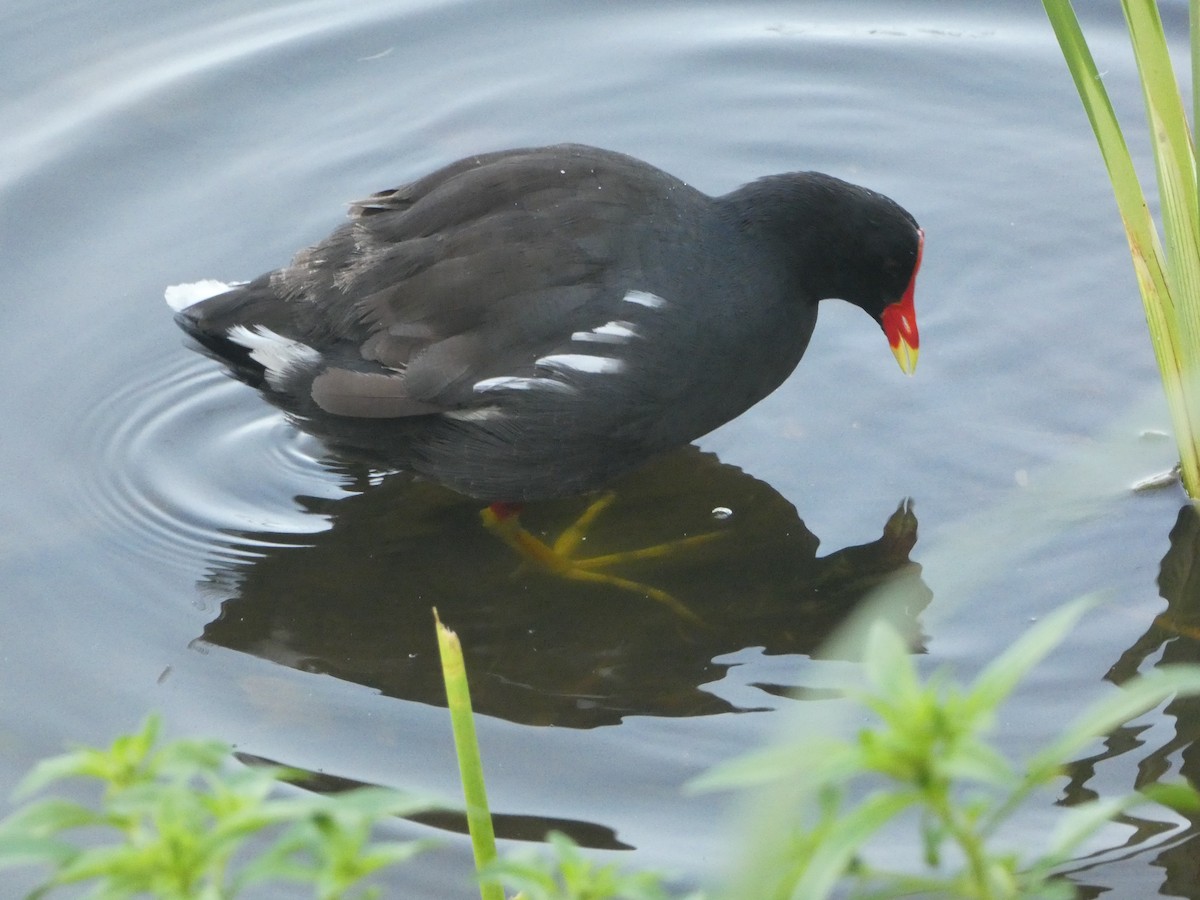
point(532, 323)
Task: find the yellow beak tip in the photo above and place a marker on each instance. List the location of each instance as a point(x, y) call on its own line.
point(906, 356)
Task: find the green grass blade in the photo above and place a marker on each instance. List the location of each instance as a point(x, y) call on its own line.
point(1131, 700)
point(1139, 226)
point(1194, 28)
point(846, 837)
point(1148, 257)
point(813, 763)
point(1175, 164)
point(1079, 823)
point(1164, 108)
point(470, 765)
point(1002, 675)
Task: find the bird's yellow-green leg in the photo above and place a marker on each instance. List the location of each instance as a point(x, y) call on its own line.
point(568, 542)
point(502, 520)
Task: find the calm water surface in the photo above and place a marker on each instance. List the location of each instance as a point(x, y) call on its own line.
point(170, 543)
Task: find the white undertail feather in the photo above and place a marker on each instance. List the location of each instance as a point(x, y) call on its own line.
point(180, 296)
point(275, 353)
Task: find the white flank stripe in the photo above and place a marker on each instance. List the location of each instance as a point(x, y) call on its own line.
point(645, 298)
point(610, 333)
point(477, 414)
point(583, 362)
point(275, 353)
point(514, 383)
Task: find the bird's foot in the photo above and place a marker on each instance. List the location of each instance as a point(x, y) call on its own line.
point(559, 557)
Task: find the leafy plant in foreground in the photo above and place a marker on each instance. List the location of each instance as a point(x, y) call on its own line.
point(927, 755)
point(570, 875)
point(172, 820)
point(181, 820)
point(1170, 281)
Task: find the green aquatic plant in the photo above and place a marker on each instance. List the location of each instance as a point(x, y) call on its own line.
point(569, 875)
point(182, 819)
point(927, 761)
point(173, 821)
point(1169, 281)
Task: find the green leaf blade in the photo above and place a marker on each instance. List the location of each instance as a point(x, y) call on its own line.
point(1169, 284)
point(470, 764)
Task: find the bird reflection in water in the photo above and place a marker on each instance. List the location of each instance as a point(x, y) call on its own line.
point(354, 600)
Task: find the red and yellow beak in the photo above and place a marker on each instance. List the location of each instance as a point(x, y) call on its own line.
point(900, 319)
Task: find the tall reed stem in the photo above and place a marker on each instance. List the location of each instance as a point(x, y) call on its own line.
point(1169, 280)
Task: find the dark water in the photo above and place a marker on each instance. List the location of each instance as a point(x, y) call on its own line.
point(170, 543)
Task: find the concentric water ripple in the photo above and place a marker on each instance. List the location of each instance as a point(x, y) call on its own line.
point(184, 462)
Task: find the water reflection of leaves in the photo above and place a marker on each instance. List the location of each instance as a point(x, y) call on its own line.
point(1173, 637)
point(354, 601)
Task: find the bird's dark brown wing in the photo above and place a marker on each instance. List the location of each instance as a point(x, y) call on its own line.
point(472, 273)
